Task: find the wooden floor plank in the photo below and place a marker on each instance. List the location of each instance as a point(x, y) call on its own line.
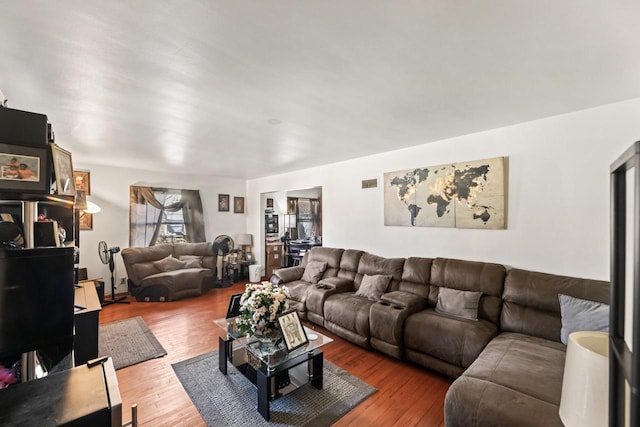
point(407, 395)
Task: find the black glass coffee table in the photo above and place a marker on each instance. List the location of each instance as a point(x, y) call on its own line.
point(274, 371)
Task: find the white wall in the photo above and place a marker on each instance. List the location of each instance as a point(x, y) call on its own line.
point(110, 190)
point(558, 194)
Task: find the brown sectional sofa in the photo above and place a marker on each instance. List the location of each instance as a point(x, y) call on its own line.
point(170, 272)
point(508, 362)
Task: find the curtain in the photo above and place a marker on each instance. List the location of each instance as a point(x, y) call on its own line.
point(148, 207)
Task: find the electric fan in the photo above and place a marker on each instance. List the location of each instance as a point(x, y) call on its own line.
point(106, 256)
point(222, 245)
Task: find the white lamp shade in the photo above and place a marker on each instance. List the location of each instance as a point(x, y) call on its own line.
point(92, 208)
point(585, 385)
point(244, 239)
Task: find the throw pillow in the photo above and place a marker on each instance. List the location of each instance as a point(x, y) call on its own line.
point(191, 261)
point(145, 269)
point(313, 271)
point(458, 303)
point(373, 287)
point(169, 264)
point(582, 315)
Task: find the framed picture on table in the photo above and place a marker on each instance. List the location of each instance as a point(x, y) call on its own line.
point(292, 330)
point(63, 169)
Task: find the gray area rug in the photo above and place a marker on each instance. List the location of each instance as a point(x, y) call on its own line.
point(231, 400)
point(128, 342)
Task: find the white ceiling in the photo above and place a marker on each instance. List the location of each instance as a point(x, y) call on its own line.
point(245, 89)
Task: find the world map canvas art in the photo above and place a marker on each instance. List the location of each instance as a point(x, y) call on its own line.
point(460, 195)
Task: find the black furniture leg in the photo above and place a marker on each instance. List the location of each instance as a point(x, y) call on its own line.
point(263, 394)
point(315, 371)
point(223, 351)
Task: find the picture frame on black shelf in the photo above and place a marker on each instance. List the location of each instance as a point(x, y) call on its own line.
point(63, 169)
point(23, 169)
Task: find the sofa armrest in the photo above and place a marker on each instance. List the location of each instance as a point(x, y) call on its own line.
point(289, 274)
point(405, 300)
point(336, 283)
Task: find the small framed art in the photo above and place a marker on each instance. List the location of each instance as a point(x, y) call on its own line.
point(234, 306)
point(86, 221)
point(238, 205)
point(223, 202)
point(82, 180)
point(292, 330)
point(63, 168)
point(23, 169)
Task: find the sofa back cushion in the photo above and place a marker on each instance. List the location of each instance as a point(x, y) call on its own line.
point(484, 277)
point(200, 249)
point(349, 264)
point(331, 256)
point(133, 256)
point(531, 305)
point(416, 274)
point(374, 265)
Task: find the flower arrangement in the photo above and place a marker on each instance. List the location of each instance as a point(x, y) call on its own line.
point(260, 306)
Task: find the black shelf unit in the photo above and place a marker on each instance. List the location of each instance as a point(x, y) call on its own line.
point(624, 364)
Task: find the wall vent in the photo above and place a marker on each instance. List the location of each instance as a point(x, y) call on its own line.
point(369, 183)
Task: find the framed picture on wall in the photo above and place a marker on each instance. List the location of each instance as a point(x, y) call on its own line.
point(82, 181)
point(63, 168)
point(223, 202)
point(238, 205)
point(86, 221)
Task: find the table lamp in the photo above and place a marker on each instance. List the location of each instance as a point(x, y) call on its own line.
point(585, 385)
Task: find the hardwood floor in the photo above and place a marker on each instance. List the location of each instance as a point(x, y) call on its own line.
point(407, 394)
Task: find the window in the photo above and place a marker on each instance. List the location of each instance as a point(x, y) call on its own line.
point(164, 216)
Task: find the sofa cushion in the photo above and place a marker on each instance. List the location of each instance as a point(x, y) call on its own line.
point(200, 249)
point(169, 264)
point(297, 290)
point(349, 312)
point(373, 287)
point(473, 402)
point(582, 315)
point(191, 261)
point(487, 278)
point(530, 301)
point(454, 340)
point(458, 303)
point(144, 269)
point(313, 271)
point(373, 264)
point(331, 256)
point(416, 273)
point(516, 374)
point(403, 299)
